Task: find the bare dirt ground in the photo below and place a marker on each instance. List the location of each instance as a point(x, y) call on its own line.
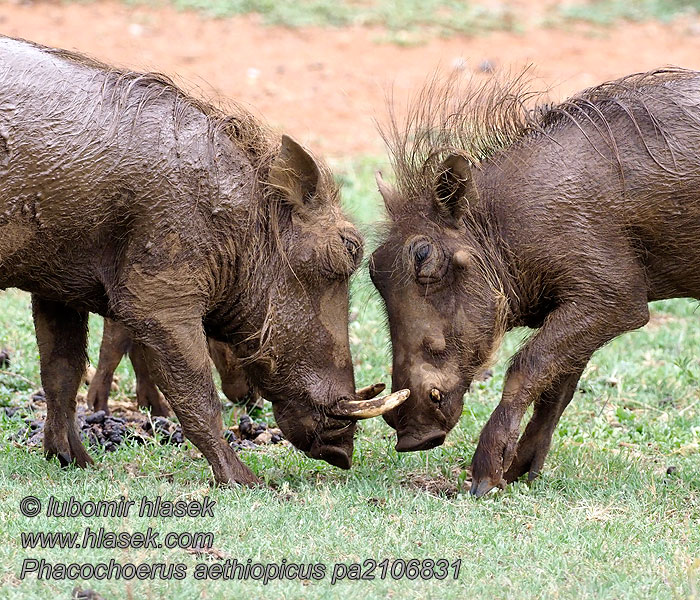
point(325, 86)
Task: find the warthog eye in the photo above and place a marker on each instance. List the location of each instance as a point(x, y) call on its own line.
point(353, 248)
point(421, 253)
point(428, 260)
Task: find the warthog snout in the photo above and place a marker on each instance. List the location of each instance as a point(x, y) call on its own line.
point(335, 445)
point(327, 434)
point(423, 421)
point(414, 441)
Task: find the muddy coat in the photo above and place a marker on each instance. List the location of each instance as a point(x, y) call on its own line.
point(122, 195)
point(564, 218)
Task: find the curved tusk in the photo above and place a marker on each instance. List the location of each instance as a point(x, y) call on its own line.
point(367, 409)
point(369, 392)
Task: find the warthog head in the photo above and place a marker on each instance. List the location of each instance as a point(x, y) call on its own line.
point(295, 310)
point(444, 306)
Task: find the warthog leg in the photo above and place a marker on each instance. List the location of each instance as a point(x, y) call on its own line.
point(234, 382)
point(175, 349)
point(147, 394)
point(61, 334)
point(534, 444)
point(562, 346)
point(116, 342)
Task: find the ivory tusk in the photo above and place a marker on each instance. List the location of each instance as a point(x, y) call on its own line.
point(367, 409)
point(369, 392)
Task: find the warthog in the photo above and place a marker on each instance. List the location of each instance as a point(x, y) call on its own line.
point(122, 195)
point(117, 341)
point(564, 218)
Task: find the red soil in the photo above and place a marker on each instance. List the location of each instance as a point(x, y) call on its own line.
point(325, 86)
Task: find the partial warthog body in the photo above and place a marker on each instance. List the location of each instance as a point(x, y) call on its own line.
point(121, 195)
point(568, 219)
point(117, 342)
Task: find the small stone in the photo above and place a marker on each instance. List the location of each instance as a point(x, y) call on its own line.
point(177, 437)
point(161, 424)
point(486, 66)
point(85, 594)
point(245, 427)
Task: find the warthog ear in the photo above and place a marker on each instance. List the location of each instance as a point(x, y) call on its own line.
point(294, 173)
point(388, 193)
point(454, 187)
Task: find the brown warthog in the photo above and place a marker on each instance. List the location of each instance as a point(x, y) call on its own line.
point(122, 195)
point(566, 218)
point(117, 341)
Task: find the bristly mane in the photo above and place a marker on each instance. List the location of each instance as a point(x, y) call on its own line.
point(123, 86)
point(482, 120)
point(251, 134)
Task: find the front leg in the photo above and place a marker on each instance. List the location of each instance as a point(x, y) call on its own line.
point(561, 347)
point(234, 382)
point(534, 444)
point(147, 394)
point(175, 350)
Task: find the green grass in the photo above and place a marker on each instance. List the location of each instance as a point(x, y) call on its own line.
point(604, 521)
point(609, 12)
point(441, 17)
point(414, 21)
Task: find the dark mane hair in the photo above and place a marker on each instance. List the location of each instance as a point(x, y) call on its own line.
point(249, 132)
point(480, 120)
point(122, 86)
